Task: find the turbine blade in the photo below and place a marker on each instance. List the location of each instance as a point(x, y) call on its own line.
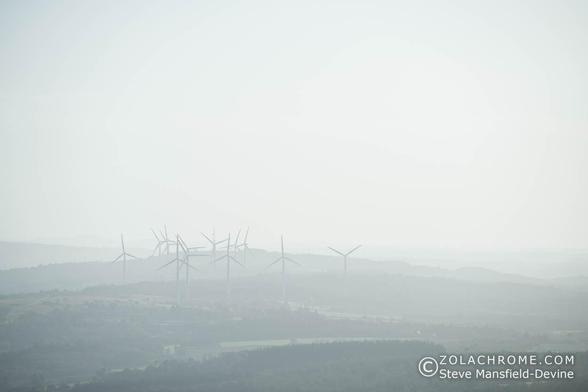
point(220, 258)
point(134, 257)
point(336, 251)
point(208, 239)
point(185, 246)
point(292, 260)
point(182, 245)
point(235, 260)
point(165, 265)
point(156, 237)
point(353, 250)
point(274, 262)
point(156, 248)
point(118, 258)
point(237, 238)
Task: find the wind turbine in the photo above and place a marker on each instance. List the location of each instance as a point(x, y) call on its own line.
point(187, 254)
point(160, 241)
point(213, 243)
point(229, 259)
point(187, 248)
point(178, 262)
point(124, 255)
point(245, 246)
point(165, 239)
point(283, 258)
point(345, 255)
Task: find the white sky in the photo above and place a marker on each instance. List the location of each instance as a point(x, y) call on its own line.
point(406, 124)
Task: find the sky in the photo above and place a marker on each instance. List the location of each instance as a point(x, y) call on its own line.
point(413, 124)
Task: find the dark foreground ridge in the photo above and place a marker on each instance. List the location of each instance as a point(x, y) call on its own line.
point(348, 366)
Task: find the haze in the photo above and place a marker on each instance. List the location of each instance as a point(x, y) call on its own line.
point(410, 125)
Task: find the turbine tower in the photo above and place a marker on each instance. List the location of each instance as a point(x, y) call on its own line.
point(229, 259)
point(124, 256)
point(213, 243)
point(345, 255)
point(178, 262)
point(283, 258)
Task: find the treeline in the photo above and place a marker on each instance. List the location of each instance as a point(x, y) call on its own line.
point(56, 341)
point(351, 366)
point(316, 367)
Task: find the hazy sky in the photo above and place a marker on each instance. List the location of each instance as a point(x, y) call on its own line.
point(407, 124)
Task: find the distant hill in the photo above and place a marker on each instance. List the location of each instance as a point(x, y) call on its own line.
point(48, 267)
point(30, 267)
point(26, 254)
point(573, 282)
